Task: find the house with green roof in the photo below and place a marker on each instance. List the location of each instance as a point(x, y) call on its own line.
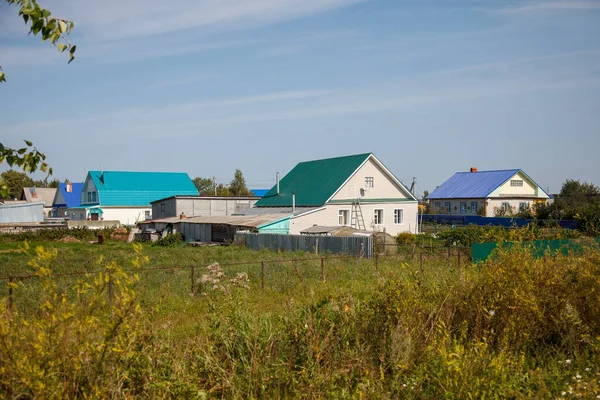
point(126, 196)
point(356, 191)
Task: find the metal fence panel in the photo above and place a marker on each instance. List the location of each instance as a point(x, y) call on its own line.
point(352, 245)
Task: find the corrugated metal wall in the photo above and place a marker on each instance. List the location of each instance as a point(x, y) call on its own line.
point(22, 212)
point(195, 232)
point(352, 245)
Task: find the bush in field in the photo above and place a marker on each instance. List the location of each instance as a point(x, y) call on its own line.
point(404, 238)
point(172, 239)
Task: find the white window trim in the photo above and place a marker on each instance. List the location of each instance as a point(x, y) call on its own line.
point(517, 182)
point(338, 216)
point(399, 209)
point(372, 183)
point(382, 216)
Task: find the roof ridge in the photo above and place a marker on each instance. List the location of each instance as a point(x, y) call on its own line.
point(338, 157)
point(490, 170)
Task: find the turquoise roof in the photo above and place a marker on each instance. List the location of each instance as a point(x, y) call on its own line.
point(121, 188)
point(313, 182)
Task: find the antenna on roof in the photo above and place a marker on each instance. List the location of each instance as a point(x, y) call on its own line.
point(412, 186)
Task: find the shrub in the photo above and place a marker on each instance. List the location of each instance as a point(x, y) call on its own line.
point(404, 238)
point(172, 239)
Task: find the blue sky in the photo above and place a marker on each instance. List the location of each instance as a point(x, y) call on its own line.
point(430, 87)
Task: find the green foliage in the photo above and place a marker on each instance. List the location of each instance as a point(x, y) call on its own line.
point(589, 219)
point(172, 239)
point(466, 236)
point(238, 187)
point(404, 238)
point(56, 234)
point(13, 183)
point(28, 158)
point(512, 327)
point(205, 186)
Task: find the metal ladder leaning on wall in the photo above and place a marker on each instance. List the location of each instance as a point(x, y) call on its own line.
point(356, 219)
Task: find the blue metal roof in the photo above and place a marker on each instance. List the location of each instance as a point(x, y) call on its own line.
point(259, 192)
point(72, 198)
point(122, 188)
point(472, 185)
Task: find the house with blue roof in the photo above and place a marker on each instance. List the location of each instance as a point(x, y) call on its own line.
point(126, 196)
point(486, 193)
point(68, 195)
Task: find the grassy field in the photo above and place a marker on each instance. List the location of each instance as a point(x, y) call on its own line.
point(513, 327)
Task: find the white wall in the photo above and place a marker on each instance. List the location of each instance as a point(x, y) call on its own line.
point(127, 216)
point(329, 217)
point(383, 188)
point(528, 188)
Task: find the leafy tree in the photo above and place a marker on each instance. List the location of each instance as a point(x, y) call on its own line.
point(44, 183)
point(238, 187)
point(14, 183)
point(425, 194)
point(223, 190)
point(205, 186)
point(574, 187)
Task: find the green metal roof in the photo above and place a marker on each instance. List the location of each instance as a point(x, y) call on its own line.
point(121, 188)
point(314, 182)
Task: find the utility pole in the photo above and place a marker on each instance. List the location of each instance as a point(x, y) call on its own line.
point(215, 184)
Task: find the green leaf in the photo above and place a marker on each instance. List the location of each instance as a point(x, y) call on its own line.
point(46, 13)
point(28, 143)
point(71, 58)
point(2, 77)
point(71, 26)
point(21, 151)
point(61, 47)
point(25, 18)
point(62, 26)
point(72, 51)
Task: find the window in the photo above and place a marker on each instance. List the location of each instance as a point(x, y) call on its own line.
point(369, 182)
point(463, 207)
point(378, 217)
point(447, 206)
point(516, 182)
point(506, 206)
point(162, 207)
point(438, 205)
point(147, 214)
point(94, 196)
point(89, 197)
point(474, 207)
point(523, 206)
point(343, 217)
point(398, 216)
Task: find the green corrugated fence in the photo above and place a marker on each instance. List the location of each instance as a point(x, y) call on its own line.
point(481, 251)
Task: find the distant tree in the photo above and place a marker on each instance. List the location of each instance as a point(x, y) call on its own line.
point(238, 187)
point(574, 187)
point(44, 183)
point(223, 190)
point(14, 182)
point(425, 194)
point(205, 186)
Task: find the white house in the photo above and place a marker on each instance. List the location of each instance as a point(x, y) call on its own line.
point(486, 192)
point(357, 191)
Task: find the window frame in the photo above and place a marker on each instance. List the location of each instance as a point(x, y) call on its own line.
point(506, 206)
point(524, 206)
point(89, 197)
point(463, 207)
point(94, 197)
point(147, 214)
point(347, 212)
point(401, 216)
point(369, 182)
point(376, 216)
point(448, 207)
point(517, 183)
point(474, 207)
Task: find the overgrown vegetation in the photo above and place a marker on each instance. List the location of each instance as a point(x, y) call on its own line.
point(512, 327)
point(172, 239)
point(53, 234)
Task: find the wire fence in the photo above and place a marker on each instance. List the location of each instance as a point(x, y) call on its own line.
point(272, 272)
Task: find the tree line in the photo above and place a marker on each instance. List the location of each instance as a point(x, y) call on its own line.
point(209, 187)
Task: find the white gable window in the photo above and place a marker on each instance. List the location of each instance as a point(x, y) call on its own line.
point(516, 182)
point(378, 217)
point(369, 182)
point(343, 217)
point(398, 216)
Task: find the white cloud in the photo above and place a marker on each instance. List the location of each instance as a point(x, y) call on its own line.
point(117, 19)
point(542, 6)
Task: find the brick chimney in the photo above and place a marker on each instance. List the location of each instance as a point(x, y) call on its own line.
point(473, 169)
point(68, 186)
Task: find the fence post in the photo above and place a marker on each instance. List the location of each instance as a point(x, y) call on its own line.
point(262, 274)
point(322, 269)
point(192, 278)
point(10, 293)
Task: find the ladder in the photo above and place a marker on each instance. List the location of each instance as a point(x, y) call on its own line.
point(356, 219)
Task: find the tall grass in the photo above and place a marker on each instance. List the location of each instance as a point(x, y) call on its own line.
point(515, 326)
